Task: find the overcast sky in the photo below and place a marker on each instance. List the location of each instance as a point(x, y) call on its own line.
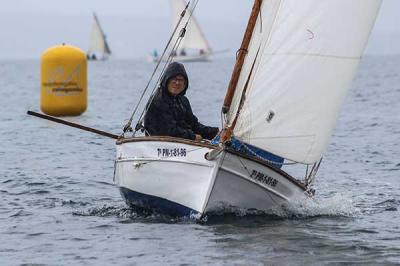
point(136, 27)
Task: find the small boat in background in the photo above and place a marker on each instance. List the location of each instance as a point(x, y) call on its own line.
point(98, 47)
point(194, 47)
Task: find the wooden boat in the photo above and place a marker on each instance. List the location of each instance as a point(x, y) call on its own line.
point(173, 176)
point(295, 65)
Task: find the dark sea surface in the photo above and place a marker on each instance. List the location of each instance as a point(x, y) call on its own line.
point(59, 206)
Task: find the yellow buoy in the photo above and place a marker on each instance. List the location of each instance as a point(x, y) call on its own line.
point(63, 81)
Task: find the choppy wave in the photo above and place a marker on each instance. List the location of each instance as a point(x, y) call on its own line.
point(383, 206)
point(56, 182)
point(338, 205)
point(335, 206)
point(132, 215)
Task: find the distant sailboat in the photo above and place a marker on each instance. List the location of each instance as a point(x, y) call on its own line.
point(98, 47)
point(194, 47)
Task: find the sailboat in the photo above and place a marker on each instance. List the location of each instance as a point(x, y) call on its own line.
point(194, 46)
point(98, 47)
point(294, 67)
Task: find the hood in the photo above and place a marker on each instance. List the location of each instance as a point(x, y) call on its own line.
point(173, 70)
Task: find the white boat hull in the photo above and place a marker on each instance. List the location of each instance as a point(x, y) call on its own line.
point(245, 184)
point(173, 176)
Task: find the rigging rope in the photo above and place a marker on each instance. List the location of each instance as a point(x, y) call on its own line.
point(152, 95)
point(128, 127)
point(174, 49)
point(310, 178)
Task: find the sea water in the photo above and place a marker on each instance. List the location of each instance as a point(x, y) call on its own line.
point(59, 206)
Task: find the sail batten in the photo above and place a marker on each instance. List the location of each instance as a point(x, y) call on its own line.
point(309, 54)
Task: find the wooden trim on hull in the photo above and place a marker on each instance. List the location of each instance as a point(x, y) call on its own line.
point(210, 146)
point(167, 139)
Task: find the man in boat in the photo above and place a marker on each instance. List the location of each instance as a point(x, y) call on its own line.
point(170, 113)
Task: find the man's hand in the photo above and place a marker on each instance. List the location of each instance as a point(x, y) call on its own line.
point(198, 137)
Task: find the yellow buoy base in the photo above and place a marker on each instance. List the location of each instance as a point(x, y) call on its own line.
point(63, 81)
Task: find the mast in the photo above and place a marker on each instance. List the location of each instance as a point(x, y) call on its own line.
point(242, 55)
point(227, 131)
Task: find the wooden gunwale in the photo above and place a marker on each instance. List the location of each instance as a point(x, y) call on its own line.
point(167, 139)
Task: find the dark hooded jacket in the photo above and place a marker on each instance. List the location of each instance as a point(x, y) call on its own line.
point(170, 115)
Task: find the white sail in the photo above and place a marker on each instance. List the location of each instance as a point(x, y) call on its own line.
point(98, 45)
point(194, 38)
point(303, 56)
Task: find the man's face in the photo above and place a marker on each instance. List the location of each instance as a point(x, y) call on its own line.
point(176, 85)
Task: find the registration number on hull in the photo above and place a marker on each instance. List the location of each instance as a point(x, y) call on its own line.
point(263, 178)
point(171, 152)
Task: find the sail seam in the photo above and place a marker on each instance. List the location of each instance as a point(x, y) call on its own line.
point(315, 55)
point(286, 137)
